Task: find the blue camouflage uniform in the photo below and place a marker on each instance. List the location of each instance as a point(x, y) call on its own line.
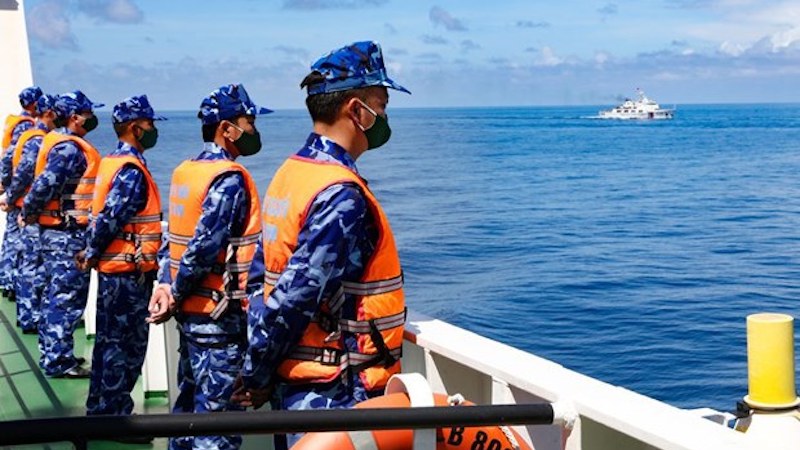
point(11, 236)
point(29, 282)
point(340, 230)
point(122, 333)
point(211, 350)
point(66, 287)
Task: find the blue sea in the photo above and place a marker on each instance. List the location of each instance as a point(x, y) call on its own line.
point(629, 251)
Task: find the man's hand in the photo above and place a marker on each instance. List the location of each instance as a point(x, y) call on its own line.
point(4, 203)
point(27, 220)
point(250, 397)
point(84, 264)
point(162, 306)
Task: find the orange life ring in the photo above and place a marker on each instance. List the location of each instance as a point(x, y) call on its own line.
point(485, 438)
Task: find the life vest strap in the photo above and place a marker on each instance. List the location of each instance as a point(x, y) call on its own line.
point(271, 278)
point(244, 240)
point(330, 356)
point(328, 322)
point(146, 219)
point(126, 257)
point(233, 269)
point(137, 237)
point(50, 213)
point(352, 287)
point(381, 323)
point(373, 287)
point(85, 180)
point(76, 213)
point(178, 239)
point(77, 196)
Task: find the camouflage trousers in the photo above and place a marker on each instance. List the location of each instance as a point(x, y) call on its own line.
point(120, 343)
point(30, 280)
point(63, 299)
point(332, 395)
point(211, 354)
point(10, 250)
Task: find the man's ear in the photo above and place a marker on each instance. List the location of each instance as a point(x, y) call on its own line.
point(228, 130)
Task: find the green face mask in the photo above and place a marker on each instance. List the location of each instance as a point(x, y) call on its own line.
point(248, 144)
point(149, 138)
point(379, 133)
point(90, 123)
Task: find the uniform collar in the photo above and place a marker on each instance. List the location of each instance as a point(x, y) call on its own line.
point(25, 113)
point(322, 147)
point(41, 126)
point(125, 149)
point(64, 130)
point(212, 151)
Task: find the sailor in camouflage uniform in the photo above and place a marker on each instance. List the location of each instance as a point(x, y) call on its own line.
point(326, 329)
point(124, 237)
point(213, 226)
point(15, 126)
point(29, 282)
point(59, 201)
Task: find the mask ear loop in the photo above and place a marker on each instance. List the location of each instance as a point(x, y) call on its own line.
point(241, 131)
point(371, 111)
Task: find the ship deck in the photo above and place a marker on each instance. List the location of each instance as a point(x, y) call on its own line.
point(25, 393)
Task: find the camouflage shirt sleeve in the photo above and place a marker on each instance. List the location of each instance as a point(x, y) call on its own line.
point(23, 176)
point(127, 196)
point(325, 243)
point(5, 167)
point(164, 276)
point(224, 210)
point(64, 162)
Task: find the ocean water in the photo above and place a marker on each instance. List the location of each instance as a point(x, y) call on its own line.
point(628, 251)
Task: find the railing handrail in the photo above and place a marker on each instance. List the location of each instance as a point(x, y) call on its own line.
point(79, 430)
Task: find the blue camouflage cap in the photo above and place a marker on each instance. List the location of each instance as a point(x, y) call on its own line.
point(29, 95)
point(227, 102)
point(46, 102)
point(132, 108)
point(353, 66)
point(73, 103)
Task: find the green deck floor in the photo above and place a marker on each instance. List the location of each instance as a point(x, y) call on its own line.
point(25, 393)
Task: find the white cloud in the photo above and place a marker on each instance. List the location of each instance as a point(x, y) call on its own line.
point(49, 24)
point(116, 11)
point(547, 57)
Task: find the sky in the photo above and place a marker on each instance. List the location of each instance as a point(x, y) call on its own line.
point(448, 53)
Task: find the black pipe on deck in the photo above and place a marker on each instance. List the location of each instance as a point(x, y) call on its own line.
point(79, 430)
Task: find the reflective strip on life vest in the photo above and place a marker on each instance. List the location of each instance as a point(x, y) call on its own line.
point(77, 196)
point(126, 257)
point(146, 219)
point(335, 357)
point(374, 287)
point(381, 323)
point(244, 240)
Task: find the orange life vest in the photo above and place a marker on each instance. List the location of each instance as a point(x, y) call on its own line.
point(53, 213)
point(320, 356)
point(227, 280)
point(17, 156)
point(136, 246)
point(8, 131)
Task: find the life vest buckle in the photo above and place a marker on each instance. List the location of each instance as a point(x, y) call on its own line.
point(331, 356)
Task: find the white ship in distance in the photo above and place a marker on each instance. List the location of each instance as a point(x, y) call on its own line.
point(643, 108)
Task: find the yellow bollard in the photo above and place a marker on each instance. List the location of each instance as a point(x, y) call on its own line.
point(770, 362)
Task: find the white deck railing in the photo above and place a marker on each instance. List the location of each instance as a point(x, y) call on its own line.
point(489, 372)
